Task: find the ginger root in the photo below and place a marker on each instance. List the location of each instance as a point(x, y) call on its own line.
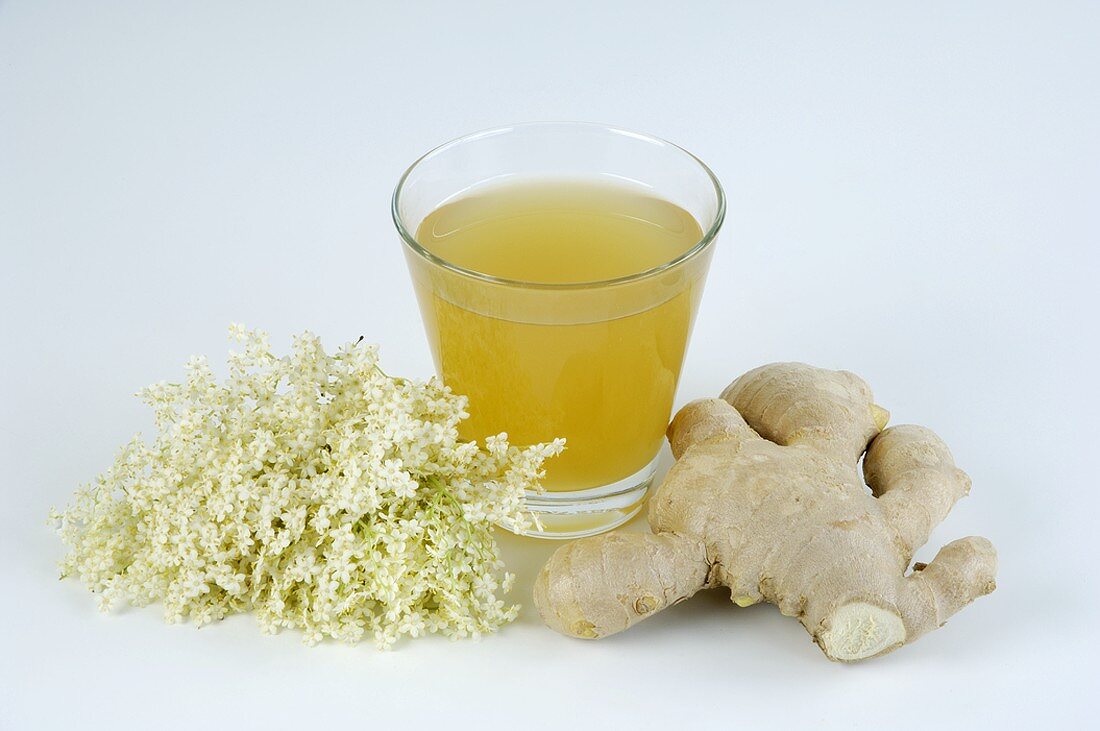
point(766, 499)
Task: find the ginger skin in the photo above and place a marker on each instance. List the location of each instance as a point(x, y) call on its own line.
point(766, 499)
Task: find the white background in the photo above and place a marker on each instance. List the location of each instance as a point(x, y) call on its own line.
point(913, 196)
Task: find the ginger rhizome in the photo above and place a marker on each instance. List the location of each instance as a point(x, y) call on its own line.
point(766, 499)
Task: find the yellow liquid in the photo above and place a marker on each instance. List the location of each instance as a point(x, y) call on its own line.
point(595, 365)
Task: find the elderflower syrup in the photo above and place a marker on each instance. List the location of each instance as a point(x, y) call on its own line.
point(606, 385)
point(560, 305)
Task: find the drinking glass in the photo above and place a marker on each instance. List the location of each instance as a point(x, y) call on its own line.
point(594, 362)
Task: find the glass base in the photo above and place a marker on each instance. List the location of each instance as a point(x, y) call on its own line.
point(578, 513)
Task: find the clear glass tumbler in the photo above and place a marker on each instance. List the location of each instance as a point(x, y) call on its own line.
point(594, 362)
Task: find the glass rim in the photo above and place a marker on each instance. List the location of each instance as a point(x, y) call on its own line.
point(410, 240)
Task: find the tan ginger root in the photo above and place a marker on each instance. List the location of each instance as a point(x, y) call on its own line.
point(766, 499)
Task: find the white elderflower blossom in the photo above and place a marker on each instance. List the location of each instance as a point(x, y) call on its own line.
point(313, 490)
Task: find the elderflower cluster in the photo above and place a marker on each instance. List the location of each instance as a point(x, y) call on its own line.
point(313, 490)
